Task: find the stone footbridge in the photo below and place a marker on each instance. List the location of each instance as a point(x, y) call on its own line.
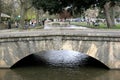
point(103, 45)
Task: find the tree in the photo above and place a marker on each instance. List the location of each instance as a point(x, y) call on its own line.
point(25, 6)
point(57, 6)
point(53, 6)
point(5, 7)
point(1, 7)
point(76, 6)
point(0, 10)
point(108, 7)
point(8, 7)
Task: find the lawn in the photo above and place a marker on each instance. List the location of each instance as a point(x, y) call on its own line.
point(101, 25)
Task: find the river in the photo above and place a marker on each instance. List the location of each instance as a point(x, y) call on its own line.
point(55, 73)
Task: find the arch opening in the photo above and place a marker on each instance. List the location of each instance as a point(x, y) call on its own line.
point(28, 61)
point(61, 58)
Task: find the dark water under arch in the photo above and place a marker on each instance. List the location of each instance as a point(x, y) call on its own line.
point(61, 58)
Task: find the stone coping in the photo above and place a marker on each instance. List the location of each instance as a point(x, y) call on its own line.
point(71, 33)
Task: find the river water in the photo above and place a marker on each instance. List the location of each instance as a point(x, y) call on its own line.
point(54, 73)
point(54, 70)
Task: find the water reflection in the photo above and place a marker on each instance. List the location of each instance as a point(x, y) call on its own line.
point(62, 58)
point(53, 73)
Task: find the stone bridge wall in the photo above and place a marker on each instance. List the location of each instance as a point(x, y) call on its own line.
point(103, 46)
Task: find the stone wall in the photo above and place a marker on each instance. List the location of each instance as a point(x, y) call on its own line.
point(103, 48)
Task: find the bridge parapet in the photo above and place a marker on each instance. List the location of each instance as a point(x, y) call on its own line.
point(56, 25)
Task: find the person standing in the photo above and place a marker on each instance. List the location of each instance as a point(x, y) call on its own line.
point(26, 25)
point(16, 24)
point(9, 24)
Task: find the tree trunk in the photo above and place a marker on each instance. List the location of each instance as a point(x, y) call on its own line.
point(22, 16)
point(0, 17)
point(113, 16)
point(73, 12)
point(37, 18)
point(25, 6)
point(107, 14)
point(0, 10)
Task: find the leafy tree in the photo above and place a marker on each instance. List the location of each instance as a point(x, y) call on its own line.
point(5, 7)
point(53, 6)
point(76, 6)
point(108, 7)
point(9, 7)
point(25, 6)
point(57, 6)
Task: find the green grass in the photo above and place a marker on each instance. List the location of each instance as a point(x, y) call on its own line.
point(117, 26)
point(101, 25)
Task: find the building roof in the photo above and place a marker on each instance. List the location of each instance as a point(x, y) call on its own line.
point(5, 15)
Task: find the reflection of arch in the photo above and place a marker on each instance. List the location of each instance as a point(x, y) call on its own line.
point(35, 58)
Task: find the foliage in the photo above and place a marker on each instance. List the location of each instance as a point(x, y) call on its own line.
point(57, 6)
point(101, 3)
point(47, 5)
point(77, 6)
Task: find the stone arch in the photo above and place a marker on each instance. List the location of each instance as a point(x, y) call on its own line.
point(96, 49)
point(12, 52)
point(90, 57)
point(17, 61)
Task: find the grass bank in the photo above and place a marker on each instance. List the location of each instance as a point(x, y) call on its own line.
point(101, 25)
